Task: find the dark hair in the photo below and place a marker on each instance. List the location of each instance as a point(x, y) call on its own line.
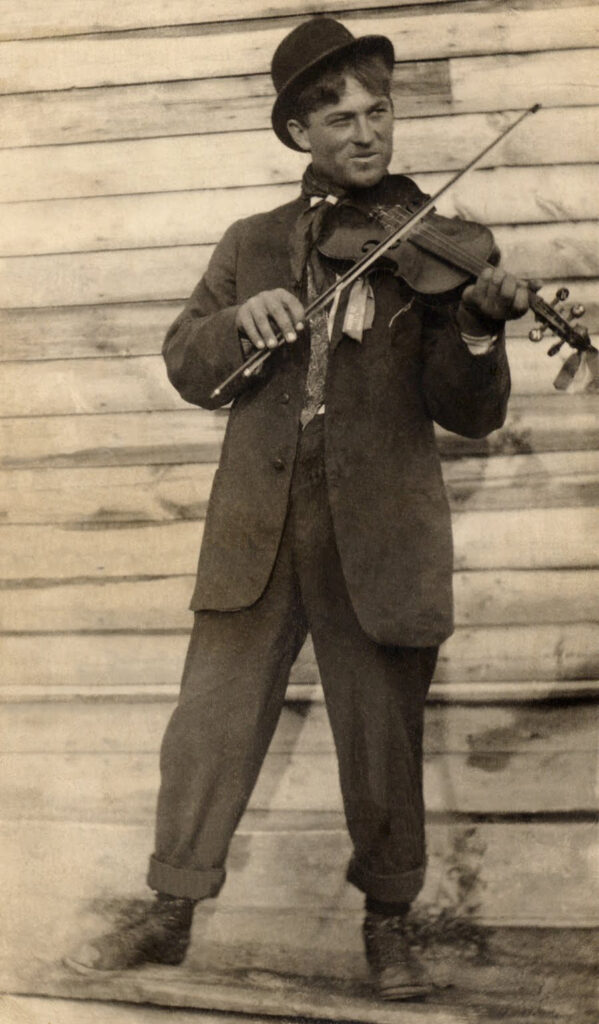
point(369, 70)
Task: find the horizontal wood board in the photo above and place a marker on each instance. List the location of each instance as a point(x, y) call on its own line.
point(532, 538)
point(484, 734)
point(559, 652)
point(35, 19)
point(122, 788)
point(431, 144)
point(488, 693)
point(104, 760)
point(78, 63)
point(541, 423)
point(135, 329)
point(145, 604)
point(140, 384)
point(506, 195)
point(555, 78)
point(538, 250)
point(120, 494)
point(300, 869)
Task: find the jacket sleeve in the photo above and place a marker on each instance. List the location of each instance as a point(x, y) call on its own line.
point(202, 347)
point(464, 393)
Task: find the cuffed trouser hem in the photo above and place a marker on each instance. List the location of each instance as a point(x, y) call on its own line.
point(400, 888)
point(185, 882)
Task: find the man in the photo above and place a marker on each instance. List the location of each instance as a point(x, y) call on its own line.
point(328, 511)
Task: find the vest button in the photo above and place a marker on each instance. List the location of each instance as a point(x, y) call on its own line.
point(278, 464)
point(285, 397)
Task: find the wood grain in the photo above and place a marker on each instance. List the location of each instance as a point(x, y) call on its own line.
point(81, 63)
point(543, 423)
point(120, 788)
point(513, 80)
point(495, 654)
point(197, 162)
point(83, 331)
point(505, 195)
point(137, 726)
point(135, 329)
point(139, 384)
point(555, 78)
point(522, 539)
point(238, 103)
point(538, 250)
point(34, 18)
point(120, 494)
point(482, 597)
point(272, 871)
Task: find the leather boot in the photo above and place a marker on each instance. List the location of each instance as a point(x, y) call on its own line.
point(398, 974)
point(160, 936)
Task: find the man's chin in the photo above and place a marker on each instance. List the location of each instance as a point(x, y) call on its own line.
point(365, 174)
point(365, 180)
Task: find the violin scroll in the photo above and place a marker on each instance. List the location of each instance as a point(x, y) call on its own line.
point(577, 335)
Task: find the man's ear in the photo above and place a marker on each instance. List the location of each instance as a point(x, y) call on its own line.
point(299, 134)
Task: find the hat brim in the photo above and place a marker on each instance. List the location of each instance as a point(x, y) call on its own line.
point(282, 110)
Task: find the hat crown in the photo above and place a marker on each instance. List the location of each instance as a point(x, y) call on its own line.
point(305, 45)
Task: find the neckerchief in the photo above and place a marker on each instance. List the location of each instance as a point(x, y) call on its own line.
point(312, 276)
point(302, 242)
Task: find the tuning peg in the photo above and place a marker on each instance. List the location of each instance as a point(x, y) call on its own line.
point(555, 348)
point(536, 333)
point(560, 296)
point(576, 311)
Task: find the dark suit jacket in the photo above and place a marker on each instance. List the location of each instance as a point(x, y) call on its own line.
point(387, 497)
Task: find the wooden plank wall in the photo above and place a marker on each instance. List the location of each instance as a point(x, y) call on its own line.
point(132, 134)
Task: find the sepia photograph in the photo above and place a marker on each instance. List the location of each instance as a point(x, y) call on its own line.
point(299, 505)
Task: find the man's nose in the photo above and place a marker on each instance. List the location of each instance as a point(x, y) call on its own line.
point(363, 131)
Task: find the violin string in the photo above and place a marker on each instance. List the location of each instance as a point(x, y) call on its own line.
point(475, 266)
point(451, 250)
point(445, 247)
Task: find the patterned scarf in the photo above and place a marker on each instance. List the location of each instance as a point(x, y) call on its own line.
point(311, 277)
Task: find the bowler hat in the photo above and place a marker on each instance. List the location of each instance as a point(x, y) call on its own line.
point(303, 51)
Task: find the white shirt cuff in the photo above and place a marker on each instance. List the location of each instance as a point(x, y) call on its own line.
point(479, 345)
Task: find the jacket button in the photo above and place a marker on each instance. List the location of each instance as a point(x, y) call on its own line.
point(278, 464)
point(285, 397)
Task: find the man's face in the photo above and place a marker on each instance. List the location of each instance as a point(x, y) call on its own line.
point(351, 141)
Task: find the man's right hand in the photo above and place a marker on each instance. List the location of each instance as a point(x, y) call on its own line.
point(260, 317)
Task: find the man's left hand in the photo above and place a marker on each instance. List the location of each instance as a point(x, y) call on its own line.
point(497, 296)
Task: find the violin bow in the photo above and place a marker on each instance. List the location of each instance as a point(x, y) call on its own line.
point(257, 359)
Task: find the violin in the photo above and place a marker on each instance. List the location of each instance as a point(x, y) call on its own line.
point(433, 254)
point(439, 255)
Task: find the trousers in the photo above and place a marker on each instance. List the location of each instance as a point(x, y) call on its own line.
point(232, 692)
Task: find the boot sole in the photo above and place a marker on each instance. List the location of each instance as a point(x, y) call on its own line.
point(76, 965)
point(80, 968)
point(404, 992)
